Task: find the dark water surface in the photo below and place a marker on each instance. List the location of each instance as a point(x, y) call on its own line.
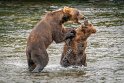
point(105, 51)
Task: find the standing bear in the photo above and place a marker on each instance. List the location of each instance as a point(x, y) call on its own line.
point(49, 29)
point(75, 45)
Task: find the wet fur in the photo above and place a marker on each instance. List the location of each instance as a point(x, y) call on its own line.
point(78, 45)
point(49, 29)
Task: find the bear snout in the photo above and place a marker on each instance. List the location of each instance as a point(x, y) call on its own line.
point(93, 30)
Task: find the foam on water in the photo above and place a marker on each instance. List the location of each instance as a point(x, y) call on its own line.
point(58, 68)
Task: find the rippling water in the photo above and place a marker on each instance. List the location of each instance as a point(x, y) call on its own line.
point(105, 53)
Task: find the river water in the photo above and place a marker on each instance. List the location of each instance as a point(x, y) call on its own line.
point(105, 50)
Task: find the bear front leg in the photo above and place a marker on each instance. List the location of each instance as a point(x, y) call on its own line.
point(70, 34)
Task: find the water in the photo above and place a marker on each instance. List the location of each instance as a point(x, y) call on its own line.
point(105, 53)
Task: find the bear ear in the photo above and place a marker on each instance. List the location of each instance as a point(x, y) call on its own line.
point(86, 22)
point(90, 25)
point(66, 9)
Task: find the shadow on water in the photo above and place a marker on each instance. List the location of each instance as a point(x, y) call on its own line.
point(105, 53)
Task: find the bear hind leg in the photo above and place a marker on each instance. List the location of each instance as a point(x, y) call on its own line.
point(41, 60)
point(31, 65)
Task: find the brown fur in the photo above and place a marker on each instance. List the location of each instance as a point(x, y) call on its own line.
point(78, 45)
point(49, 29)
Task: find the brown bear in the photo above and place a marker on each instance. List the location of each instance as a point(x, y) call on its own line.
point(49, 29)
point(75, 45)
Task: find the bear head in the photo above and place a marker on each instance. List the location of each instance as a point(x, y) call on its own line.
point(88, 27)
point(72, 14)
